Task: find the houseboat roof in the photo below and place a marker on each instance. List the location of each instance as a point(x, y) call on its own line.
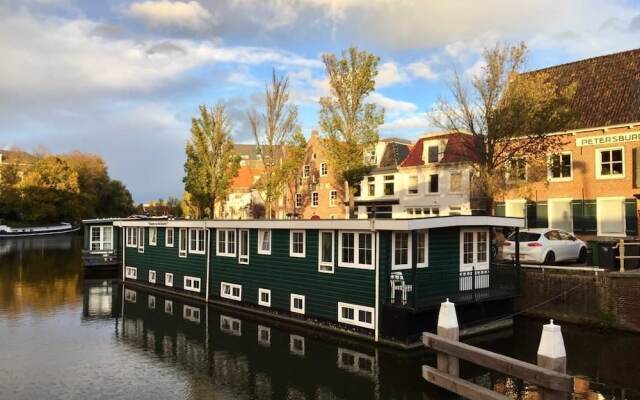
point(356, 224)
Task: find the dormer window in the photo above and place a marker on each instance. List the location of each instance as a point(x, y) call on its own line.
point(370, 157)
point(432, 154)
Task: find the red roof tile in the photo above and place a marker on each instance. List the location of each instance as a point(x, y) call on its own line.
point(459, 148)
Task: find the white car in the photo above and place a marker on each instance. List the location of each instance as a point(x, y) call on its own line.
point(545, 246)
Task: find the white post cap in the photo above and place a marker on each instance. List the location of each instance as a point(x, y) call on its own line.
point(447, 317)
point(551, 341)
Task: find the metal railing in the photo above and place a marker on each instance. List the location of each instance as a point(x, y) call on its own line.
point(102, 258)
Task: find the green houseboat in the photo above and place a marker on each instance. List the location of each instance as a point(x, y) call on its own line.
point(380, 279)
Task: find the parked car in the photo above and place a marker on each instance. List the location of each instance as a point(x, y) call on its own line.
point(546, 246)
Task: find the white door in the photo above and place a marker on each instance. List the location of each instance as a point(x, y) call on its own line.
point(474, 255)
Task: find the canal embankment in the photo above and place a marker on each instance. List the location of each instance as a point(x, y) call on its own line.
point(581, 295)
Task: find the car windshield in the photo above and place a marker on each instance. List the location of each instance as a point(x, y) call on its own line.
point(524, 237)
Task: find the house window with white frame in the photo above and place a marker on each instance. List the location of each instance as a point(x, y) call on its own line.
point(517, 170)
point(226, 243)
point(325, 252)
point(153, 236)
point(305, 171)
point(371, 185)
point(131, 272)
point(152, 276)
point(610, 163)
point(356, 250)
point(230, 291)
point(182, 242)
point(168, 279)
point(389, 185)
point(433, 154)
point(196, 241)
point(141, 240)
point(370, 157)
point(298, 200)
point(474, 248)
point(264, 297)
point(422, 249)
point(168, 237)
point(611, 216)
point(264, 241)
point(324, 169)
point(412, 184)
point(401, 250)
point(333, 198)
point(297, 303)
point(315, 199)
point(455, 182)
point(560, 166)
point(297, 243)
point(192, 284)
point(243, 246)
point(101, 238)
point(357, 315)
point(132, 237)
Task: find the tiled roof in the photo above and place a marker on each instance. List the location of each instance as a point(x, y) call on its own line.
point(459, 148)
point(394, 154)
point(245, 178)
point(608, 88)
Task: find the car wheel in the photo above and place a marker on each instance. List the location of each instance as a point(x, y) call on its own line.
point(582, 256)
point(550, 258)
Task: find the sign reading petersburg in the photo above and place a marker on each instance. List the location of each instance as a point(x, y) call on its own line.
point(608, 139)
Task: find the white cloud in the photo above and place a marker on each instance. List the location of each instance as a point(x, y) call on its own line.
point(389, 74)
point(392, 105)
point(422, 70)
point(410, 122)
point(185, 15)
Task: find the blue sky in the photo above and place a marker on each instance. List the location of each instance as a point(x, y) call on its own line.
point(123, 78)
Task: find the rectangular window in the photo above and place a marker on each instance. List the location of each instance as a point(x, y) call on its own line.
point(132, 237)
point(324, 170)
point(153, 236)
point(610, 215)
point(371, 184)
point(298, 200)
point(151, 302)
point(182, 241)
point(325, 253)
point(264, 335)
point(131, 272)
point(370, 157)
point(264, 241)
point(101, 238)
point(305, 171)
point(296, 345)
point(152, 276)
point(455, 210)
point(610, 163)
point(315, 199)
point(474, 248)
point(433, 154)
point(230, 291)
point(297, 303)
point(422, 249)
point(226, 243)
point(191, 313)
point(400, 250)
point(232, 326)
point(168, 279)
point(168, 307)
point(560, 167)
point(333, 198)
point(141, 240)
point(357, 315)
point(243, 253)
point(356, 250)
point(412, 185)
point(455, 182)
point(196, 241)
point(168, 237)
point(433, 183)
point(389, 188)
point(264, 297)
point(517, 170)
point(347, 248)
point(130, 295)
point(192, 284)
point(297, 244)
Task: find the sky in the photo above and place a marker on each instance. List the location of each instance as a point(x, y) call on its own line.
point(123, 79)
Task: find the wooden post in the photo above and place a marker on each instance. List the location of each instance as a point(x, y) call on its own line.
point(621, 248)
point(449, 329)
point(552, 355)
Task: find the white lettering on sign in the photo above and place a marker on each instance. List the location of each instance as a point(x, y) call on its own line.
point(608, 139)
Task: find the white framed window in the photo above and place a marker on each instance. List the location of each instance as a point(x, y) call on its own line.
point(131, 272)
point(192, 284)
point(298, 200)
point(474, 248)
point(412, 184)
point(196, 241)
point(151, 302)
point(191, 313)
point(297, 303)
point(226, 246)
point(305, 171)
point(610, 163)
point(433, 154)
point(333, 198)
point(264, 335)
point(152, 276)
point(371, 186)
point(101, 238)
point(370, 157)
point(401, 250)
point(264, 297)
point(610, 216)
point(325, 252)
point(153, 236)
point(355, 249)
point(560, 167)
point(168, 307)
point(296, 345)
point(517, 170)
point(130, 295)
point(264, 241)
point(168, 279)
point(422, 249)
point(297, 243)
point(315, 199)
point(230, 291)
point(132, 237)
point(232, 326)
point(455, 182)
point(560, 214)
point(141, 240)
point(243, 246)
point(389, 185)
point(324, 169)
point(182, 242)
point(168, 237)
point(357, 315)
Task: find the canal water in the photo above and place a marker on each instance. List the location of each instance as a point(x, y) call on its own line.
point(66, 337)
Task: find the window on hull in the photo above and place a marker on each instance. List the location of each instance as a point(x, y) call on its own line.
point(357, 315)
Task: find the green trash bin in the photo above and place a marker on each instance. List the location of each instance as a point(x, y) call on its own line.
point(593, 253)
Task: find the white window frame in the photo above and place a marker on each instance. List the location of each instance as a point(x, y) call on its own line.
point(624, 216)
point(153, 236)
point(409, 185)
point(183, 233)
point(304, 243)
point(197, 249)
point(188, 284)
point(509, 178)
point(306, 170)
point(424, 264)
point(550, 177)
point(475, 263)
point(294, 297)
point(599, 163)
point(427, 161)
point(262, 291)
point(152, 276)
point(168, 243)
point(226, 252)
point(244, 258)
point(189, 313)
point(324, 169)
point(356, 250)
point(261, 232)
point(298, 200)
point(329, 266)
point(141, 239)
point(166, 280)
point(315, 199)
point(394, 266)
point(131, 272)
point(333, 198)
point(132, 237)
point(356, 315)
point(231, 286)
point(103, 245)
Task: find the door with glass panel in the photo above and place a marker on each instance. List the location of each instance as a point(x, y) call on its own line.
point(474, 259)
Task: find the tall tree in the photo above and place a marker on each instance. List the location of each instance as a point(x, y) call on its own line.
point(212, 161)
point(348, 122)
point(273, 130)
point(509, 114)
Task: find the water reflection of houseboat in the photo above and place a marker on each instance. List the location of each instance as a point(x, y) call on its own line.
point(101, 299)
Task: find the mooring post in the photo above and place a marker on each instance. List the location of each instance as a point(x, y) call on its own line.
point(449, 329)
point(621, 248)
point(552, 355)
